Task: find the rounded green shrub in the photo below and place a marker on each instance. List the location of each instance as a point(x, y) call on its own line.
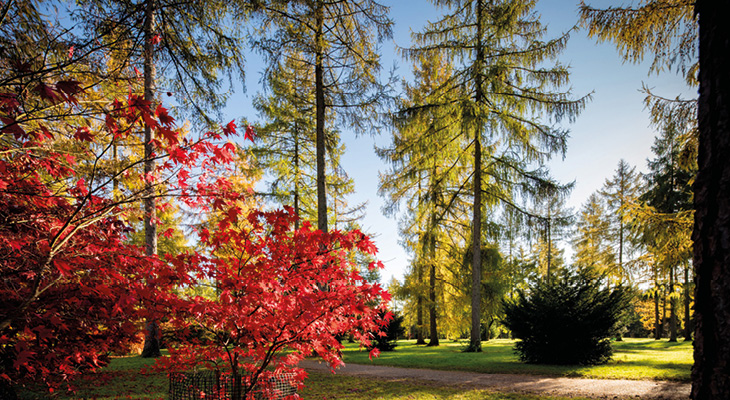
point(568, 320)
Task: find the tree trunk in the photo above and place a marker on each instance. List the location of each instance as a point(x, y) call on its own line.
point(657, 323)
point(320, 120)
point(475, 340)
point(711, 235)
point(688, 328)
point(549, 249)
point(672, 308)
point(434, 335)
point(664, 311)
point(151, 347)
point(420, 328)
point(419, 306)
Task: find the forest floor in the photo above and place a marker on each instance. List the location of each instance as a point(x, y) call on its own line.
point(518, 383)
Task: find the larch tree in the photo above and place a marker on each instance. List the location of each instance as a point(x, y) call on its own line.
point(504, 88)
point(286, 146)
point(551, 220)
point(421, 159)
point(669, 195)
point(592, 250)
point(618, 191)
point(665, 31)
point(183, 48)
point(711, 371)
point(337, 40)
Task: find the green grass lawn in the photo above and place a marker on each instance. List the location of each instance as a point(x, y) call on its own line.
point(633, 359)
point(122, 380)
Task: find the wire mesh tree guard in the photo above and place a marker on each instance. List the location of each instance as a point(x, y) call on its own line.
point(212, 385)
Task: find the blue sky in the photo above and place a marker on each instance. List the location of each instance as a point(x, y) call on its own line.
point(614, 124)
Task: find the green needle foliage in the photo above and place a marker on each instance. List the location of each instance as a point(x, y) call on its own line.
point(568, 320)
point(503, 100)
point(338, 42)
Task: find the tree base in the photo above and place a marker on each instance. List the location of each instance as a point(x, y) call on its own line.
point(473, 349)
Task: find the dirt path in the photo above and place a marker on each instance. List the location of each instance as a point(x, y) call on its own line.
point(593, 388)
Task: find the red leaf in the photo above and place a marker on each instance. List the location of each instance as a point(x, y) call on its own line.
point(12, 126)
point(163, 116)
point(9, 102)
point(230, 128)
point(47, 93)
point(69, 87)
point(63, 267)
point(84, 134)
point(250, 134)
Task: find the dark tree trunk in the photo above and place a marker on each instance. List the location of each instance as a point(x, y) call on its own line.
point(657, 323)
point(151, 347)
point(420, 328)
point(672, 308)
point(297, 222)
point(320, 120)
point(688, 325)
point(419, 308)
point(664, 311)
point(433, 329)
point(711, 235)
point(475, 339)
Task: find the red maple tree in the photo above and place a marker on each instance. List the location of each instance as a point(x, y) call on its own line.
point(281, 294)
point(73, 288)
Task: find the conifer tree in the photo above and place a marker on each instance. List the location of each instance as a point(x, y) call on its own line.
point(499, 94)
point(668, 194)
point(337, 40)
point(286, 146)
point(417, 176)
point(619, 191)
point(591, 243)
point(181, 45)
point(667, 32)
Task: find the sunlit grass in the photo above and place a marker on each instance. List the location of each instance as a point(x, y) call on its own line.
point(122, 380)
point(633, 359)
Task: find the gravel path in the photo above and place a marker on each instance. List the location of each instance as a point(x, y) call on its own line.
point(593, 388)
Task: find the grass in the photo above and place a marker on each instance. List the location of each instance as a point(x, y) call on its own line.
point(122, 380)
point(633, 359)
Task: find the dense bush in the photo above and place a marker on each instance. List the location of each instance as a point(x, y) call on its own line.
point(569, 320)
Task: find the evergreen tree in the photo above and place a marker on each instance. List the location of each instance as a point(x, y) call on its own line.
point(667, 31)
point(552, 221)
point(418, 175)
point(499, 94)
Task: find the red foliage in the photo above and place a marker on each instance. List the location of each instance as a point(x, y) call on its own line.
point(281, 295)
point(72, 285)
point(67, 297)
point(73, 289)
